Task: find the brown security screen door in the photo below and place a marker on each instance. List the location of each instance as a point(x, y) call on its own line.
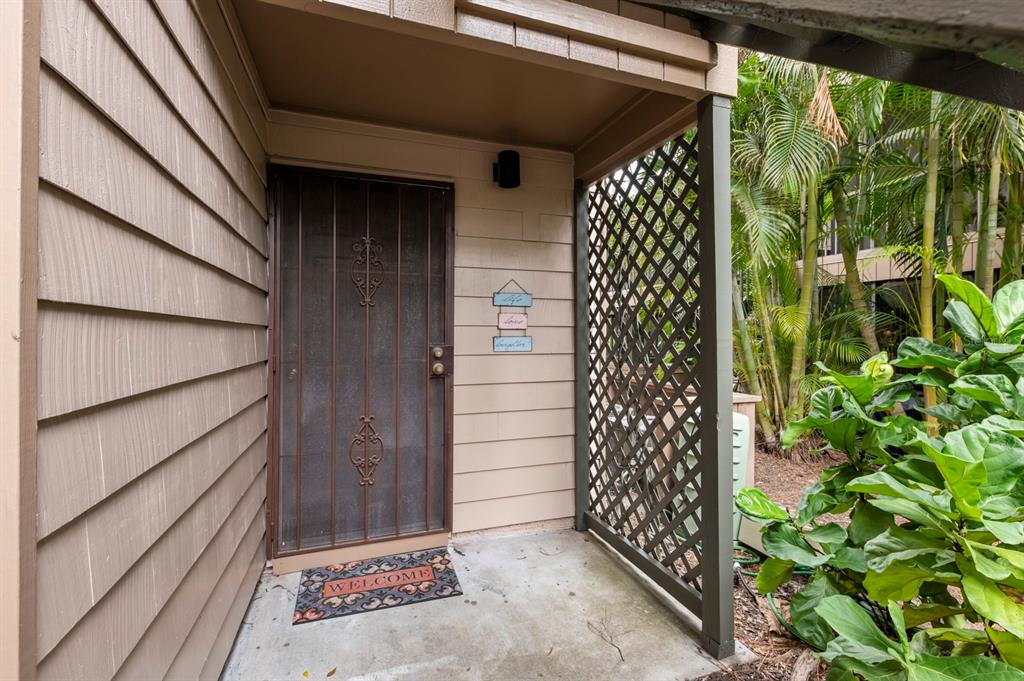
point(362, 359)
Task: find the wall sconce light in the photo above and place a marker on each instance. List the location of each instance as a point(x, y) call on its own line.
point(506, 170)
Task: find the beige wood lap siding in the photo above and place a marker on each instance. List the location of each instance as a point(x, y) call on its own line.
point(152, 339)
point(513, 430)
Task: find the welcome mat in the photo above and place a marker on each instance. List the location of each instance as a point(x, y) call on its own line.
point(375, 584)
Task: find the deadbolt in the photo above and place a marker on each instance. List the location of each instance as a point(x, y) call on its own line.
point(437, 369)
point(437, 352)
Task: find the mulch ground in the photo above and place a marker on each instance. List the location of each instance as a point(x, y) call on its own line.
point(783, 479)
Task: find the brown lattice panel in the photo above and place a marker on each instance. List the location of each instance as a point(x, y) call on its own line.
point(644, 425)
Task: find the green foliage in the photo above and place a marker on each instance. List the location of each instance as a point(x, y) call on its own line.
point(927, 581)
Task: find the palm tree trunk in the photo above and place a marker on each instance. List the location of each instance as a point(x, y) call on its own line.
point(931, 197)
point(955, 264)
point(987, 229)
point(808, 282)
point(1009, 269)
point(848, 246)
point(774, 376)
point(749, 364)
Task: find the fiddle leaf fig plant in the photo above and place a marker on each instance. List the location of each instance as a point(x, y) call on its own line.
point(927, 579)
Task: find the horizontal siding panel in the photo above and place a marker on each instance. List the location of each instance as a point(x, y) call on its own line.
point(482, 282)
point(218, 65)
point(509, 254)
point(478, 515)
point(377, 150)
point(88, 456)
point(512, 368)
point(512, 397)
point(513, 425)
point(142, 30)
point(485, 222)
point(87, 358)
point(553, 228)
point(233, 620)
point(120, 530)
point(142, 112)
point(482, 312)
point(105, 636)
point(479, 340)
point(85, 155)
point(90, 258)
point(484, 485)
point(489, 456)
point(212, 582)
point(513, 225)
point(487, 194)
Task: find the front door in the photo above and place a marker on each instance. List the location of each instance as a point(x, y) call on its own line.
point(361, 366)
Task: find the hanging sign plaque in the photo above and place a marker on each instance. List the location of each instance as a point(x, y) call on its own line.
point(512, 321)
point(513, 343)
point(512, 299)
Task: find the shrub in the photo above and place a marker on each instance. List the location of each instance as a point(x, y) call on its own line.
point(927, 580)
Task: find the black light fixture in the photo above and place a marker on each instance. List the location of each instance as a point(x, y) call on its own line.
point(506, 170)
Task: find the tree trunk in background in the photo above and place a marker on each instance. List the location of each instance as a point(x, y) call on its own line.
point(957, 206)
point(931, 198)
point(808, 282)
point(1009, 269)
point(749, 363)
point(774, 393)
point(987, 228)
point(849, 244)
point(958, 243)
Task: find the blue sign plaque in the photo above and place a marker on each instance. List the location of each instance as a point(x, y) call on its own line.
point(513, 343)
point(513, 299)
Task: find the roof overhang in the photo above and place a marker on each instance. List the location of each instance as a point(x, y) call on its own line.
point(541, 73)
point(974, 49)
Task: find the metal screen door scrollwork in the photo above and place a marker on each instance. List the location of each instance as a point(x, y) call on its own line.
point(643, 251)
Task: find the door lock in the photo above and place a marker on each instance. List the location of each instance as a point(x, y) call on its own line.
point(437, 369)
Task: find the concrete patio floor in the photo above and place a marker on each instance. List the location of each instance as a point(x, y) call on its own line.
point(538, 605)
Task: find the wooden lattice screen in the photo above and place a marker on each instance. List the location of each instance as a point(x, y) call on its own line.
point(653, 457)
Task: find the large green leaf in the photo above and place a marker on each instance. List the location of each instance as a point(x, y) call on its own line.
point(773, 573)
point(975, 299)
point(866, 522)
point(808, 623)
point(994, 389)
point(1008, 533)
point(829, 533)
point(963, 322)
point(860, 386)
point(1008, 305)
point(961, 462)
point(974, 668)
point(783, 541)
point(1010, 648)
point(916, 353)
point(990, 601)
point(899, 544)
point(855, 626)
point(755, 504)
point(898, 582)
point(884, 484)
point(928, 612)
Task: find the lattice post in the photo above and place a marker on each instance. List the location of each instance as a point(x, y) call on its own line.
point(713, 228)
point(582, 356)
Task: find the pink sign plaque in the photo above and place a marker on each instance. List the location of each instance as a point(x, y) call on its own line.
point(512, 320)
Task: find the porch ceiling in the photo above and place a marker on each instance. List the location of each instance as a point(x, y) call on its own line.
point(310, 62)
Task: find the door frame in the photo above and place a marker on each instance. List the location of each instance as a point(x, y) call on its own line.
point(403, 542)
